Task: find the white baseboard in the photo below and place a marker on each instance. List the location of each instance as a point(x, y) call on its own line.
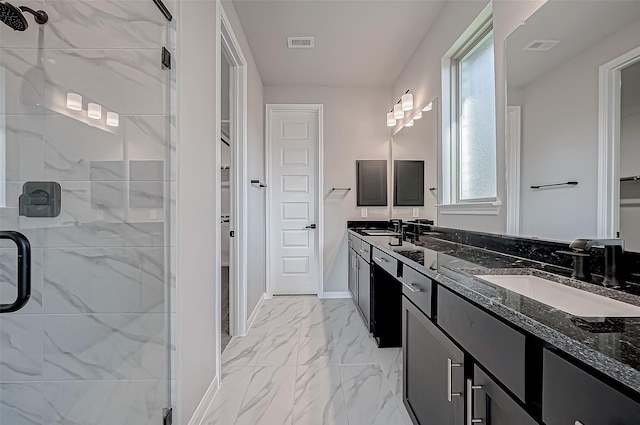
point(203, 407)
point(336, 294)
point(254, 313)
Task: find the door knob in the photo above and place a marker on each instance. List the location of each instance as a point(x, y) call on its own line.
point(311, 226)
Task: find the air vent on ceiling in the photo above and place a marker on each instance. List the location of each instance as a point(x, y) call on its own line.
point(541, 45)
point(301, 42)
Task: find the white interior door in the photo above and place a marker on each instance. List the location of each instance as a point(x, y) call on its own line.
point(293, 187)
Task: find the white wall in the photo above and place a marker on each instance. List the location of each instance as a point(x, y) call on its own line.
point(422, 75)
point(354, 128)
point(560, 115)
point(198, 173)
point(256, 207)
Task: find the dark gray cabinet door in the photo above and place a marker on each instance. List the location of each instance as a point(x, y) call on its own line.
point(364, 290)
point(353, 275)
point(572, 396)
point(408, 183)
point(492, 405)
point(429, 372)
point(371, 176)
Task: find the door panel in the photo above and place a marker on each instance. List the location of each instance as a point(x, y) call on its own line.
point(293, 178)
point(91, 345)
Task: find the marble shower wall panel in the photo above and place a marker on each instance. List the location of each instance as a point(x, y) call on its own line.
point(21, 403)
point(104, 280)
point(95, 24)
point(127, 346)
point(21, 353)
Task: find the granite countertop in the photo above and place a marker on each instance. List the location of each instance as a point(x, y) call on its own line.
point(609, 345)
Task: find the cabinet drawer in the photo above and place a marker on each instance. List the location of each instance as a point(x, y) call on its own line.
point(572, 396)
point(495, 345)
point(354, 243)
point(365, 251)
point(417, 287)
point(387, 262)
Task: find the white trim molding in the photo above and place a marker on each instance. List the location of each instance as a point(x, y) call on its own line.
point(201, 411)
point(514, 135)
point(471, 208)
point(336, 294)
point(608, 217)
point(319, 108)
point(254, 313)
point(239, 195)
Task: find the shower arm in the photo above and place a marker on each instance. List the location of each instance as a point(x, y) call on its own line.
point(40, 16)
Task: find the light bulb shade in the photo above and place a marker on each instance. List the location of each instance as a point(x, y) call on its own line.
point(74, 102)
point(428, 107)
point(391, 121)
point(398, 113)
point(113, 119)
point(418, 115)
point(409, 124)
point(94, 111)
point(407, 102)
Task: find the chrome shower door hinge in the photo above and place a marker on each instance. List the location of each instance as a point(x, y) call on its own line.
point(166, 58)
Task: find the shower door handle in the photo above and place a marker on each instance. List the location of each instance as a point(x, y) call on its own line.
point(24, 271)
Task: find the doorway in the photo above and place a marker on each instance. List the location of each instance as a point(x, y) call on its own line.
point(294, 199)
point(233, 190)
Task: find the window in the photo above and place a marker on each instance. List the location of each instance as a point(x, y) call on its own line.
point(470, 158)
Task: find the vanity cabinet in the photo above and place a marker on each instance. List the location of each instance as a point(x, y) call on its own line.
point(573, 396)
point(433, 372)
point(491, 405)
point(353, 275)
point(364, 290)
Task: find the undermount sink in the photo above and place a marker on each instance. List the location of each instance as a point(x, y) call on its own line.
point(562, 297)
point(380, 232)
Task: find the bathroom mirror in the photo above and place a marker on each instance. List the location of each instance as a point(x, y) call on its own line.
point(414, 153)
point(553, 62)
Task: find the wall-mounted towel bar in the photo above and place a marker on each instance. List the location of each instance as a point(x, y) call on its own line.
point(630, 179)
point(555, 184)
point(259, 183)
point(342, 189)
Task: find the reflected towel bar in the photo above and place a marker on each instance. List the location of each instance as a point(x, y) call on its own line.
point(630, 179)
point(555, 184)
point(345, 189)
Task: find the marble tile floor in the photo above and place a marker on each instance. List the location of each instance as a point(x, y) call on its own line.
point(307, 361)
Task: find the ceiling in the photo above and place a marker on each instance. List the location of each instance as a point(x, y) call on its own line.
point(577, 27)
point(357, 43)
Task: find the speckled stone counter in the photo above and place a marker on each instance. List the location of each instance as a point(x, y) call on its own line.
point(608, 345)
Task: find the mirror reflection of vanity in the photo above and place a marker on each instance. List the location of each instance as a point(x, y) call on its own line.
point(553, 86)
point(414, 147)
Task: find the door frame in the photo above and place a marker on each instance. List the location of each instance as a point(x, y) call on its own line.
point(608, 217)
point(230, 47)
point(315, 107)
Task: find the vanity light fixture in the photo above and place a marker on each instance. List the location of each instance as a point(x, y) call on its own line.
point(94, 111)
point(391, 121)
point(418, 115)
point(398, 113)
point(428, 107)
point(409, 123)
point(113, 119)
point(407, 101)
point(74, 102)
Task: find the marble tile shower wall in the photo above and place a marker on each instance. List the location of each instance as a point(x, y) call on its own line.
point(92, 345)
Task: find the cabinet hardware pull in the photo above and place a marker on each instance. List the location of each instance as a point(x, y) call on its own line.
point(361, 251)
point(380, 260)
point(450, 366)
point(470, 388)
point(412, 287)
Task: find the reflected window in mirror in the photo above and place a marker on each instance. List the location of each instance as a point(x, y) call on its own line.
point(471, 162)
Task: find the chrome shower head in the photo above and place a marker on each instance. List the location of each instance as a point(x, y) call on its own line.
point(14, 18)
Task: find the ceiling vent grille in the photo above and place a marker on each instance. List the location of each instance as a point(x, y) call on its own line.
point(541, 45)
point(301, 42)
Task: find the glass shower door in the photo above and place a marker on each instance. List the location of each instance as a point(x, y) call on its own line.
point(86, 177)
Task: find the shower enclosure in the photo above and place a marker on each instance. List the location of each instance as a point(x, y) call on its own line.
point(86, 207)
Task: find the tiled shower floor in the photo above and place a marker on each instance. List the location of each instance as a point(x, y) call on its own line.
point(307, 361)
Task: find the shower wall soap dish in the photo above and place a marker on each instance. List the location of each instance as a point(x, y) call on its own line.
point(40, 199)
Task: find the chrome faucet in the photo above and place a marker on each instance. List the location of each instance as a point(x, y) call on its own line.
point(613, 249)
